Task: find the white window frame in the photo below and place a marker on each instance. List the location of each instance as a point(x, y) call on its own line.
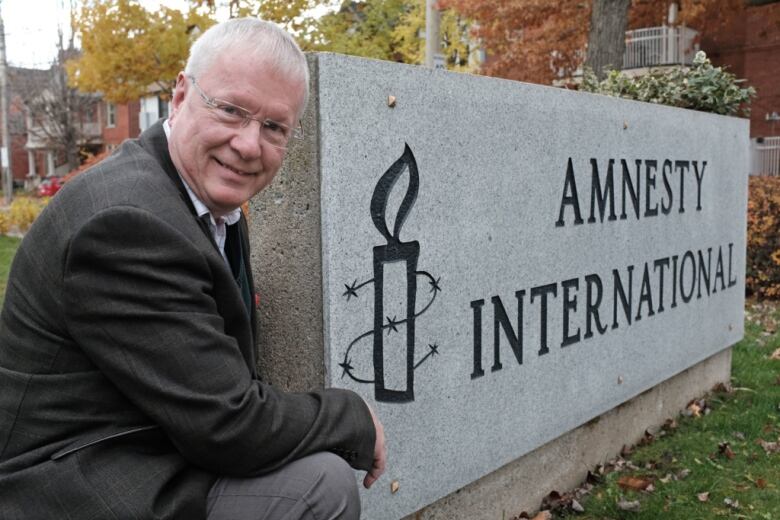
point(110, 115)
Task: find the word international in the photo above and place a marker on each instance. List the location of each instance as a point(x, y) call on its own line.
point(620, 298)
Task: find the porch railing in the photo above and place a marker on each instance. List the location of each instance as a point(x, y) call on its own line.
point(765, 156)
point(656, 46)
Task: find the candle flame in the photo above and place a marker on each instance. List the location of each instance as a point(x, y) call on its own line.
point(382, 194)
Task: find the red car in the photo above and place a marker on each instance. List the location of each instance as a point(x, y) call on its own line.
point(49, 186)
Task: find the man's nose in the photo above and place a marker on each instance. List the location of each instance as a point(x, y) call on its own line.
point(248, 142)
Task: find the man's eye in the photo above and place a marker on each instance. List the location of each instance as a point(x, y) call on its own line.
point(230, 110)
point(273, 126)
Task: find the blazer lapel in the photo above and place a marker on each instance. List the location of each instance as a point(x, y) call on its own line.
point(154, 141)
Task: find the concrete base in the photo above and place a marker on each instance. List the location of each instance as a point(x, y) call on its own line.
point(563, 464)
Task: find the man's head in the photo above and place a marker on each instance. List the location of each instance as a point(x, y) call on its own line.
point(237, 102)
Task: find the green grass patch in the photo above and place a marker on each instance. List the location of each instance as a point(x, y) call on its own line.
point(8, 246)
point(719, 465)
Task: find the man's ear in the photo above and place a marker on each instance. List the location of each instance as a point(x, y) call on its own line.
point(179, 93)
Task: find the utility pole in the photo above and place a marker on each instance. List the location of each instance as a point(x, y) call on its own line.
point(5, 151)
point(432, 22)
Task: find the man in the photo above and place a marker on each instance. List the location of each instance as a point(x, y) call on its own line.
point(127, 362)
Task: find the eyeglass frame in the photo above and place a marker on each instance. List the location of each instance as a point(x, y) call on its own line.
point(213, 103)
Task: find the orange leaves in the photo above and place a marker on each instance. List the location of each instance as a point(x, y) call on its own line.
point(528, 40)
point(635, 483)
point(763, 237)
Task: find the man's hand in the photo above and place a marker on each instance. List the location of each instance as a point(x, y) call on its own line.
point(380, 452)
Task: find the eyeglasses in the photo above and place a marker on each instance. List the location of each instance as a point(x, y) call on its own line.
point(273, 133)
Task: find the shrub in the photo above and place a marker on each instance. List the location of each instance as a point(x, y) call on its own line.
point(763, 238)
point(24, 211)
point(5, 222)
point(699, 87)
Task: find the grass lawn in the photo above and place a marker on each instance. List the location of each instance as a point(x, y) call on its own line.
point(8, 247)
point(722, 460)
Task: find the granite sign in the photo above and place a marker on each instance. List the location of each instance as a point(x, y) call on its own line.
point(503, 262)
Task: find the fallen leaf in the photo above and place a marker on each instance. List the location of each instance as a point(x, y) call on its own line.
point(543, 515)
point(775, 354)
point(635, 483)
point(769, 447)
point(724, 388)
point(703, 497)
point(593, 478)
point(694, 409)
point(626, 451)
point(556, 500)
point(725, 449)
point(647, 439)
point(733, 504)
point(760, 483)
point(739, 435)
point(683, 474)
point(626, 505)
point(394, 486)
point(671, 424)
point(576, 506)
point(666, 479)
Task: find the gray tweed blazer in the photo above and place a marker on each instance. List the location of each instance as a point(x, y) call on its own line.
point(127, 379)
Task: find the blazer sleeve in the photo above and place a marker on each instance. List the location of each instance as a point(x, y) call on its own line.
point(139, 302)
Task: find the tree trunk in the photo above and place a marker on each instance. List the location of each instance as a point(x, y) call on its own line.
point(607, 37)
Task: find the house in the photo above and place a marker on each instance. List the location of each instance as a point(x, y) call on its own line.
point(42, 121)
point(155, 105)
point(750, 47)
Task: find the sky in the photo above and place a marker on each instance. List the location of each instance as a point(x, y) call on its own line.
point(31, 28)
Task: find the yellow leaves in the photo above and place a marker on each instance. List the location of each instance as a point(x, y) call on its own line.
point(389, 30)
point(21, 214)
point(126, 48)
point(5, 223)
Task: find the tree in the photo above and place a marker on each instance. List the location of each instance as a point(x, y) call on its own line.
point(537, 41)
point(388, 30)
point(607, 36)
point(456, 45)
point(528, 40)
point(125, 48)
point(360, 29)
point(56, 109)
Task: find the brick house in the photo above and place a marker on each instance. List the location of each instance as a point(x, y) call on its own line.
point(101, 126)
point(750, 47)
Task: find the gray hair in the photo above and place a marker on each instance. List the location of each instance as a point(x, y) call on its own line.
point(262, 37)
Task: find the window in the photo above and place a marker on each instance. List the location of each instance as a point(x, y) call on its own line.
point(162, 108)
point(110, 115)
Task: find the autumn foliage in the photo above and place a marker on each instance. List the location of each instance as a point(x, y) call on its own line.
point(539, 41)
point(763, 238)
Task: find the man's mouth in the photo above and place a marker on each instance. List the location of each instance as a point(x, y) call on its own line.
point(237, 172)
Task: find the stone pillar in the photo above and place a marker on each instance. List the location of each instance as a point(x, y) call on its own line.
point(31, 162)
point(49, 163)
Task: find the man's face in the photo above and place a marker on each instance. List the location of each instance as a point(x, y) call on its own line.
point(225, 165)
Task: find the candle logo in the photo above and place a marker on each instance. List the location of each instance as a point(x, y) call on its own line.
point(395, 294)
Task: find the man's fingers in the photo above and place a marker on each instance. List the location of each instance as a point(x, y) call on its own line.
point(380, 452)
point(369, 480)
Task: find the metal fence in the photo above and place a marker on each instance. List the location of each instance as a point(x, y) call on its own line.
point(765, 156)
point(655, 46)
